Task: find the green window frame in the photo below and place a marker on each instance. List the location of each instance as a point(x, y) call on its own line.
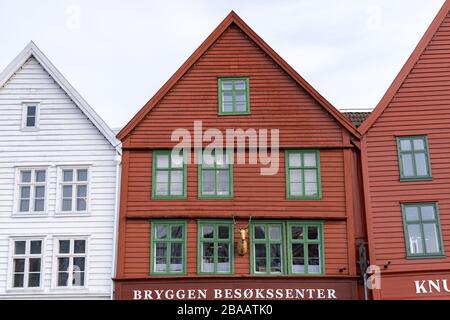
point(169, 177)
point(422, 230)
point(216, 171)
point(234, 95)
point(168, 247)
point(413, 158)
point(305, 247)
point(303, 178)
point(215, 248)
point(267, 249)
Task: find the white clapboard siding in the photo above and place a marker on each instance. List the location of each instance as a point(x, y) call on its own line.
point(66, 136)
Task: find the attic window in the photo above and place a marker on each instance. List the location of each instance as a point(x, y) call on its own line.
point(30, 117)
point(234, 96)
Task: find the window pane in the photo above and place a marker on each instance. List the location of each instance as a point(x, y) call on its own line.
point(260, 232)
point(227, 96)
point(241, 106)
point(82, 174)
point(311, 189)
point(63, 264)
point(162, 161)
point(309, 159)
point(418, 144)
point(431, 238)
point(208, 182)
point(31, 111)
point(67, 175)
point(176, 177)
point(79, 246)
point(239, 85)
point(296, 188)
point(297, 233)
point(64, 246)
point(313, 233)
point(407, 164)
point(421, 164)
point(39, 205)
point(67, 191)
point(223, 258)
point(415, 239)
point(81, 191)
point(260, 250)
point(78, 279)
point(24, 205)
point(24, 192)
point(79, 264)
point(31, 121)
point(260, 264)
point(294, 160)
point(18, 280)
point(227, 85)
point(161, 232)
point(35, 247)
point(63, 278)
point(67, 205)
point(40, 175)
point(224, 232)
point(298, 251)
point(427, 213)
point(207, 160)
point(275, 232)
point(295, 175)
point(208, 232)
point(19, 247)
point(81, 204)
point(176, 189)
point(223, 183)
point(412, 213)
point(240, 97)
point(19, 265)
point(25, 176)
point(160, 250)
point(34, 265)
point(40, 192)
point(34, 280)
point(405, 145)
point(310, 176)
point(160, 264)
point(162, 180)
point(227, 107)
point(177, 232)
point(177, 161)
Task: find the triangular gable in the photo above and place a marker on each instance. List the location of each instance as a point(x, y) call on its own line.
point(233, 18)
point(31, 50)
point(406, 70)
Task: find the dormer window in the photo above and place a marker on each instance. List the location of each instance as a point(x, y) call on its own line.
point(234, 96)
point(30, 116)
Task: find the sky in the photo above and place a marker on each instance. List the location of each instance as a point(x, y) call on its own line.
point(118, 53)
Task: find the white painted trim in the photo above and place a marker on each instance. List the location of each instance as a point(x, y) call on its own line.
point(25, 106)
point(116, 222)
point(32, 50)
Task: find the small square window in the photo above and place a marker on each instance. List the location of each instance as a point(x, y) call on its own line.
point(234, 96)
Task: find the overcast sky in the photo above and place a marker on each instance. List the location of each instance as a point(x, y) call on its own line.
point(117, 54)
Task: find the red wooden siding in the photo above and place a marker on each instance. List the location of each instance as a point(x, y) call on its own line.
point(420, 106)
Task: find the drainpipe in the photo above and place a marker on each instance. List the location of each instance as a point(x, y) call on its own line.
point(118, 161)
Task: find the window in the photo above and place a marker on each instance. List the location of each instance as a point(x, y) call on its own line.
point(303, 174)
point(234, 96)
point(413, 157)
point(168, 247)
point(215, 175)
point(74, 189)
point(267, 248)
point(305, 248)
point(215, 245)
point(30, 116)
point(26, 263)
point(422, 230)
point(31, 189)
point(169, 176)
point(71, 263)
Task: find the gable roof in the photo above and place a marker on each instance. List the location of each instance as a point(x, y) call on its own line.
point(31, 50)
point(406, 69)
point(233, 18)
point(356, 117)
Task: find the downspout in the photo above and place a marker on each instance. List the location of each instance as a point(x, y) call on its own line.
point(118, 161)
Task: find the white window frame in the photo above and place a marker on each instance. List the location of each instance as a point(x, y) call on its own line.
point(70, 255)
point(59, 192)
point(18, 183)
point(12, 256)
point(25, 106)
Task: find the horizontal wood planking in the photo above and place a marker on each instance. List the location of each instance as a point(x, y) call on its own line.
point(420, 106)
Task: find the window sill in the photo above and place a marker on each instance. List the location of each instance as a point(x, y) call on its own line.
point(234, 113)
point(438, 256)
point(167, 274)
point(24, 290)
point(168, 198)
point(25, 129)
point(416, 179)
point(215, 197)
point(72, 214)
point(29, 215)
point(303, 198)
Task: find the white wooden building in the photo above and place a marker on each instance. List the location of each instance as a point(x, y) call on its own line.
point(59, 171)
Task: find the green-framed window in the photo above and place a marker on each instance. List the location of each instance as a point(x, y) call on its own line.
point(215, 247)
point(168, 247)
point(303, 179)
point(234, 96)
point(267, 248)
point(215, 174)
point(305, 247)
point(169, 175)
point(414, 158)
point(422, 230)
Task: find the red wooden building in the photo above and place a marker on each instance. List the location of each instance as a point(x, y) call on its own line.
point(405, 153)
point(180, 225)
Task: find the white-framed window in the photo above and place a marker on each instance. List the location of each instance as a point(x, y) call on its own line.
point(70, 262)
point(74, 189)
point(30, 115)
point(31, 190)
point(26, 263)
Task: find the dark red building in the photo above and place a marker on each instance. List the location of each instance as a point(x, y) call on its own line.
point(181, 226)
